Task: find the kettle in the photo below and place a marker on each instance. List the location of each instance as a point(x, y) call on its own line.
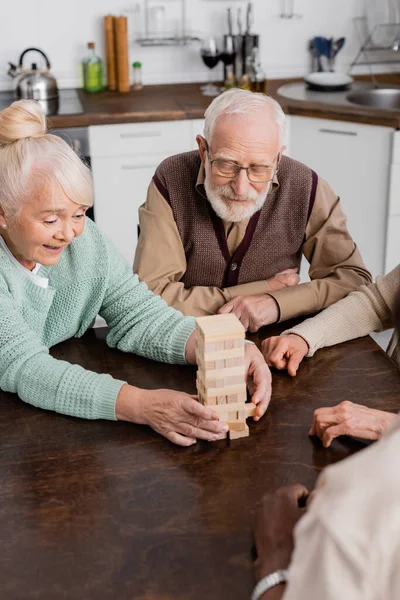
point(33, 83)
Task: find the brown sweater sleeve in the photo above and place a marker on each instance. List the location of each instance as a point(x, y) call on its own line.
point(160, 262)
point(336, 266)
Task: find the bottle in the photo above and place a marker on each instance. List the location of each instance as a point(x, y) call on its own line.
point(137, 76)
point(245, 81)
point(92, 71)
point(230, 81)
point(257, 75)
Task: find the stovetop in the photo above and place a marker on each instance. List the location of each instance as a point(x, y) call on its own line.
point(68, 103)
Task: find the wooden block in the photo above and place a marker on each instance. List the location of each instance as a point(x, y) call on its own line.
point(234, 380)
point(237, 361)
point(224, 373)
point(232, 416)
point(232, 398)
point(249, 407)
point(235, 425)
point(229, 344)
point(242, 415)
point(234, 435)
point(224, 354)
point(223, 416)
point(216, 324)
point(221, 400)
point(227, 389)
point(238, 343)
point(222, 436)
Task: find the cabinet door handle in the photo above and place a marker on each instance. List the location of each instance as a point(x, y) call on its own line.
point(132, 167)
point(140, 134)
point(338, 131)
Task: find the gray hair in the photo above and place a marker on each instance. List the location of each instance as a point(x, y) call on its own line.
point(243, 102)
point(29, 156)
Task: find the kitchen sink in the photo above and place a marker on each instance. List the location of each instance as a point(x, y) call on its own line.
point(384, 98)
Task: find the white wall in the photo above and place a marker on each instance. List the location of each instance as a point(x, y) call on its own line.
point(62, 30)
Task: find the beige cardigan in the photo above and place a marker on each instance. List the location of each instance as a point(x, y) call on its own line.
point(361, 312)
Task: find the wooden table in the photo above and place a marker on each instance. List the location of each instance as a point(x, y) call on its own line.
point(101, 510)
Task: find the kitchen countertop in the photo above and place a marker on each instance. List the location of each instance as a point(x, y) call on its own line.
point(185, 101)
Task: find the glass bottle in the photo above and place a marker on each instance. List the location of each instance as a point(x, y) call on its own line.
point(92, 71)
point(137, 76)
point(257, 74)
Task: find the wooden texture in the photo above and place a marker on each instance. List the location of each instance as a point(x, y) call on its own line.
point(110, 53)
point(101, 510)
point(218, 382)
point(185, 101)
point(122, 53)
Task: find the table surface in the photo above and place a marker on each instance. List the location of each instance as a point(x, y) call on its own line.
point(104, 510)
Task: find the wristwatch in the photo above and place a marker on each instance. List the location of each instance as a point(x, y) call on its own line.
point(268, 582)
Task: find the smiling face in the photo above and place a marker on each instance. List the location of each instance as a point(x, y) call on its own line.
point(247, 141)
point(43, 228)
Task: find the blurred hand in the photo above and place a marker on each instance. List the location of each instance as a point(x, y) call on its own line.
point(285, 352)
point(283, 279)
point(253, 311)
point(175, 415)
point(273, 527)
point(350, 419)
point(258, 379)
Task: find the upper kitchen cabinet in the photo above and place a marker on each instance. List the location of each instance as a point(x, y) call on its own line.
point(124, 158)
point(356, 160)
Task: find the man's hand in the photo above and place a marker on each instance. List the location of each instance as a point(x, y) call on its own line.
point(273, 526)
point(285, 352)
point(258, 379)
point(283, 279)
point(350, 419)
point(253, 311)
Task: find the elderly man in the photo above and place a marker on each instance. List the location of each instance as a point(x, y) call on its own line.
point(223, 229)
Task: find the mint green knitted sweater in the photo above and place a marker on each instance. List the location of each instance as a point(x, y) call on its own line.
point(90, 278)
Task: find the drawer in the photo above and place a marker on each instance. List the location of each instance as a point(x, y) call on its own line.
point(392, 244)
point(130, 139)
point(394, 191)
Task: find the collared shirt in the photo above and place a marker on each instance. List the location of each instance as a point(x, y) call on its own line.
point(347, 545)
point(336, 266)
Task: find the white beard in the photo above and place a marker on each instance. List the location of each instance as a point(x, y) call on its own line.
point(234, 212)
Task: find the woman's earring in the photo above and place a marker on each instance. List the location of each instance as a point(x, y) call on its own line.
point(4, 226)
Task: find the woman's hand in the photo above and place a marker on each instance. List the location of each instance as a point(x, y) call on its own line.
point(175, 415)
point(349, 419)
point(258, 378)
point(285, 352)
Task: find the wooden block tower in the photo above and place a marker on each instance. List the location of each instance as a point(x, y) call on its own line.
point(221, 371)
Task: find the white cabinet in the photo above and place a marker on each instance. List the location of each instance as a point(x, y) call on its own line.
point(124, 159)
point(355, 160)
point(393, 229)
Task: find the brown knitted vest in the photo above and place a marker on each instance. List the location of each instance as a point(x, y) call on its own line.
point(273, 237)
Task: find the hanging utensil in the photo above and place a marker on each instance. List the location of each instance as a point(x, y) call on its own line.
point(229, 14)
point(249, 18)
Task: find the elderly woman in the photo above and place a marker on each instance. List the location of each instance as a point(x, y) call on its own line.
point(57, 272)
point(371, 308)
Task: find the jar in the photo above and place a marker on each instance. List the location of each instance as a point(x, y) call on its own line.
point(137, 76)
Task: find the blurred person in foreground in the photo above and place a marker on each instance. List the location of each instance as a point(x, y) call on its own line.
point(346, 543)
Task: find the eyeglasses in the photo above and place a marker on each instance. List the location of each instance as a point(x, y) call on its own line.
point(230, 170)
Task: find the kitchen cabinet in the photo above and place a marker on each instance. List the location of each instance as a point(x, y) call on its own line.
point(124, 158)
point(355, 159)
point(393, 227)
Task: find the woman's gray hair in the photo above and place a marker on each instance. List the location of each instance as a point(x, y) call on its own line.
point(30, 157)
point(243, 102)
